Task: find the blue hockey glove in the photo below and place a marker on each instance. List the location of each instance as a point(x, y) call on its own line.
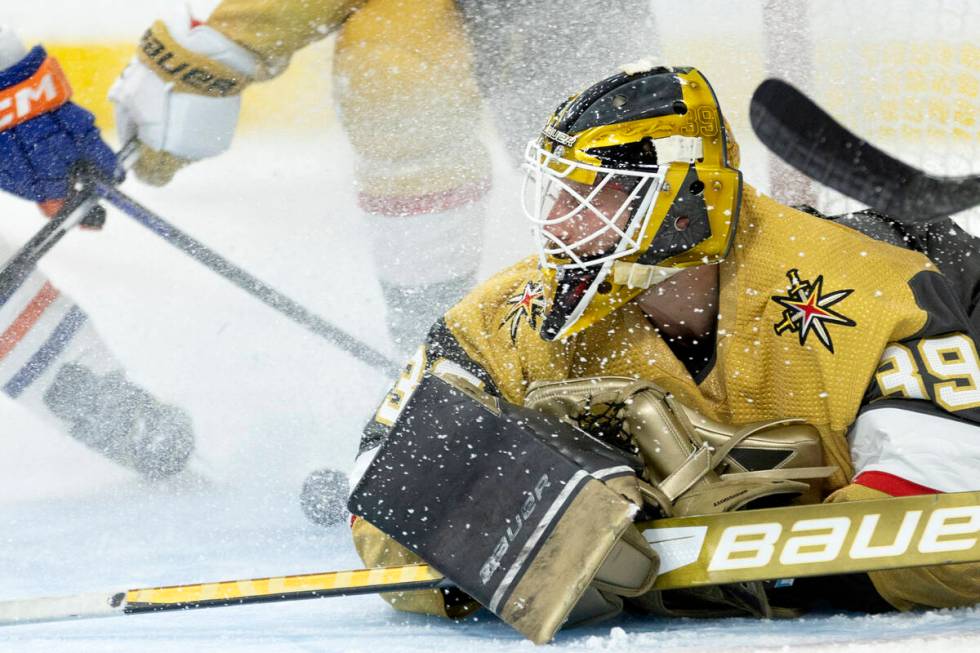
point(44, 137)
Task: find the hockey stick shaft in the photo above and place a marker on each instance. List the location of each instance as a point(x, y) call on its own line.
point(809, 139)
point(19, 266)
point(79, 203)
point(752, 545)
point(220, 594)
point(250, 284)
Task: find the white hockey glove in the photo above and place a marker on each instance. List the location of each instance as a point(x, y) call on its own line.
point(179, 96)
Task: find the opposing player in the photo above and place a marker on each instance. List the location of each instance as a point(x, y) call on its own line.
point(691, 326)
point(52, 359)
point(410, 76)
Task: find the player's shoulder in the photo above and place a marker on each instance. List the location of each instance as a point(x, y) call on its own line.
point(786, 232)
point(497, 325)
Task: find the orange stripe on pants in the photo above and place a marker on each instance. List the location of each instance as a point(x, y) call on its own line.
point(27, 318)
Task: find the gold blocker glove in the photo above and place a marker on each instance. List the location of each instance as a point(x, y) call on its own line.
point(693, 465)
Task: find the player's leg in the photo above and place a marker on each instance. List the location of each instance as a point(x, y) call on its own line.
point(54, 362)
point(412, 112)
point(527, 53)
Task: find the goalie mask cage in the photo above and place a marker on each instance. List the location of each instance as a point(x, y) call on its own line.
point(904, 74)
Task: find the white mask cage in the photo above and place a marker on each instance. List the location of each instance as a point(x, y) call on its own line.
point(585, 226)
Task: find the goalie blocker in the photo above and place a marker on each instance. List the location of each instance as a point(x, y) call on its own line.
point(528, 515)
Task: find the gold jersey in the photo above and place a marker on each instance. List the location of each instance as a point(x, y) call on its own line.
point(275, 29)
point(816, 321)
point(806, 309)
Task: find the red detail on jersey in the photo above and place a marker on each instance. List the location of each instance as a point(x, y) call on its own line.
point(398, 207)
point(896, 486)
point(527, 298)
point(809, 308)
point(44, 91)
point(27, 318)
point(353, 518)
point(196, 23)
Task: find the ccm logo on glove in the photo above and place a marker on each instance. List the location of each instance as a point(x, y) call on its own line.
point(45, 90)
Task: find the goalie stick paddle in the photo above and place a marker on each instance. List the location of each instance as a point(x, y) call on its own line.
point(734, 547)
point(809, 139)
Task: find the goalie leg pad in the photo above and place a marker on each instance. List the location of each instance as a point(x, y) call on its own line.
point(917, 588)
point(629, 570)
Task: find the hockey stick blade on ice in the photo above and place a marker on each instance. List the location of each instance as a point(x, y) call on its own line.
point(751, 545)
point(809, 139)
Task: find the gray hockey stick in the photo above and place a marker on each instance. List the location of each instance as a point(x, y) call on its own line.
point(80, 206)
point(83, 203)
point(247, 282)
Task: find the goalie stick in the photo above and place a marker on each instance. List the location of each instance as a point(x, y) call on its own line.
point(751, 545)
point(809, 139)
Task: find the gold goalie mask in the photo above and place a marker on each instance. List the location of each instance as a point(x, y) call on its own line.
point(632, 180)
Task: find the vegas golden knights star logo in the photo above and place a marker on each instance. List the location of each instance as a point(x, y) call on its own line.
point(807, 310)
point(526, 306)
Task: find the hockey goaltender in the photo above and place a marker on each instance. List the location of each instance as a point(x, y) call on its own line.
point(681, 345)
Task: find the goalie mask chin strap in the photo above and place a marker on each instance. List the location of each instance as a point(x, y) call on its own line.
point(638, 275)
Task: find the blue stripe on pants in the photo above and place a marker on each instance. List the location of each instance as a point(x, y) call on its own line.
point(43, 357)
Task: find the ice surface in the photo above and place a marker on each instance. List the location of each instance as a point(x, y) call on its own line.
point(270, 403)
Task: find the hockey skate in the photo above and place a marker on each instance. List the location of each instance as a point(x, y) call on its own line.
point(122, 421)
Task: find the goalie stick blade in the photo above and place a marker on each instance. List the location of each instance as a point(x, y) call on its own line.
point(809, 139)
point(771, 544)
